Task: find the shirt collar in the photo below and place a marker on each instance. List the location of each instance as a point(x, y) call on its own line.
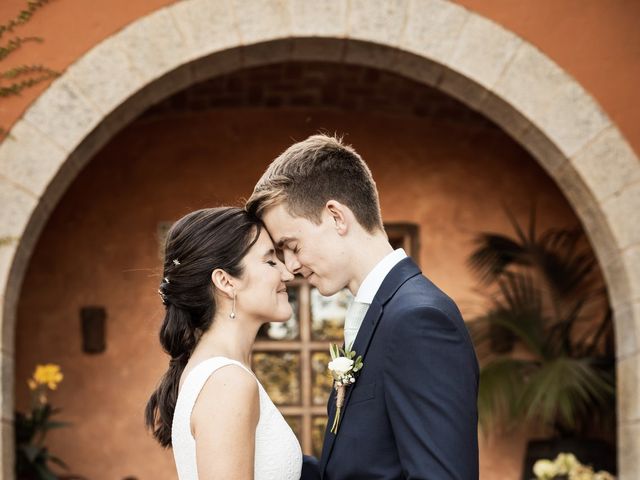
point(371, 283)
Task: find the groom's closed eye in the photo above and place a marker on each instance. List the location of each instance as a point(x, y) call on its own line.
point(280, 254)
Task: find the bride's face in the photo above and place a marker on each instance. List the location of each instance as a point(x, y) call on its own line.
point(261, 292)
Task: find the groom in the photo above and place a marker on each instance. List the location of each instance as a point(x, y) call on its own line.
point(411, 412)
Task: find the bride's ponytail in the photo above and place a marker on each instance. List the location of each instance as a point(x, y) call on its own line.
point(178, 339)
point(196, 245)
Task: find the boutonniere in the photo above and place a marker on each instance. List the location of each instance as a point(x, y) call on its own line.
point(343, 368)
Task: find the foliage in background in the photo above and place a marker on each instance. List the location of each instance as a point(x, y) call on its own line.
point(32, 457)
point(547, 296)
point(14, 80)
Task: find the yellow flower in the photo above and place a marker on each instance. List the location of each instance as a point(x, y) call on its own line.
point(48, 374)
point(602, 475)
point(545, 469)
point(581, 472)
point(566, 462)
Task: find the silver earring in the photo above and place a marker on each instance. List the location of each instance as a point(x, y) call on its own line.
point(233, 309)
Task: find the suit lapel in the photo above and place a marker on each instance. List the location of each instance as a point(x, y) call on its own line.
point(403, 271)
point(360, 346)
point(363, 339)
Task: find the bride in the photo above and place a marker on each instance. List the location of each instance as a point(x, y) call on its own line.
point(222, 281)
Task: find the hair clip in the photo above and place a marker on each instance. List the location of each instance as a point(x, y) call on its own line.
point(162, 296)
point(176, 261)
point(166, 280)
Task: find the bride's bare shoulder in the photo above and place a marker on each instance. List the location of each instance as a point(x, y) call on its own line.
point(230, 394)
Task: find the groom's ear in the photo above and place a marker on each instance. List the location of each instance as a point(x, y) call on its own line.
point(340, 214)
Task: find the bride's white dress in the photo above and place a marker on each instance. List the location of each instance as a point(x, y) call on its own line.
point(277, 452)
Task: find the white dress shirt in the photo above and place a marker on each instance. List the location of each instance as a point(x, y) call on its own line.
point(368, 289)
point(371, 283)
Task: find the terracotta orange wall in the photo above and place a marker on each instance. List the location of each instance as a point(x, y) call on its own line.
point(596, 41)
point(69, 28)
point(99, 248)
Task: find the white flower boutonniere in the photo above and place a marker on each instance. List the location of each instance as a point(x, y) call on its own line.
point(343, 368)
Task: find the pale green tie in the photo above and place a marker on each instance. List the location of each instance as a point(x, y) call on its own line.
point(353, 320)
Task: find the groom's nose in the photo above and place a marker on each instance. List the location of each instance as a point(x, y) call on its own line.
point(291, 262)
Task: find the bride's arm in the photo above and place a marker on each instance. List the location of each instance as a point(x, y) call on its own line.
point(223, 423)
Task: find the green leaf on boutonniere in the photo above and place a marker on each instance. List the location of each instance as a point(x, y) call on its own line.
point(357, 364)
point(335, 352)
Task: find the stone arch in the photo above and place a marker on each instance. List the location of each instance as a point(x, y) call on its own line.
point(431, 41)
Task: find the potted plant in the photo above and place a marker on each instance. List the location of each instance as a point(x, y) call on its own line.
point(32, 456)
point(546, 294)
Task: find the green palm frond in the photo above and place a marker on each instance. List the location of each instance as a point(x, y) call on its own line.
point(549, 298)
point(566, 390)
point(567, 268)
point(589, 344)
point(556, 254)
point(525, 240)
point(501, 384)
point(560, 334)
point(519, 310)
point(494, 254)
point(519, 292)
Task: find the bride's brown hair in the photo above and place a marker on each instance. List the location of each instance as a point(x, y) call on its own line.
point(196, 245)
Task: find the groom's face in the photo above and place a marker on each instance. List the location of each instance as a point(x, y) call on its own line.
point(308, 249)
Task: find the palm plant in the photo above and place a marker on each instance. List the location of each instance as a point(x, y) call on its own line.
point(547, 295)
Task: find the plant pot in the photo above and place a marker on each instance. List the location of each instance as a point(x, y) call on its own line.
point(596, 453)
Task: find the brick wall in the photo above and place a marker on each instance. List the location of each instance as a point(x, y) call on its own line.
point(321, 85)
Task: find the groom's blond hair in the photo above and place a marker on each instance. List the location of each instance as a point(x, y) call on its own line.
point(314, 171)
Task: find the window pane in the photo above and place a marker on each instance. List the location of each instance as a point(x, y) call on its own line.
point(279, 374)
point(327, 314)
point(321, 380)
point(318, 426)
point(288, 330)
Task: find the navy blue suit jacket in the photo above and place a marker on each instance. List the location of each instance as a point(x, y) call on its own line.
point(412, 413)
